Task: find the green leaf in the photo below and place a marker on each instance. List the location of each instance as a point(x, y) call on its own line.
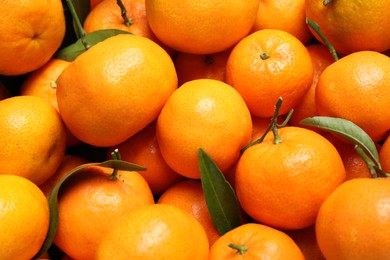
point(220, 197)
point(53, 198)
point(71, 52)
point(346, 129)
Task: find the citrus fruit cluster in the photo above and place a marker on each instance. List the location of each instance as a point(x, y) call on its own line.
point(175, 129)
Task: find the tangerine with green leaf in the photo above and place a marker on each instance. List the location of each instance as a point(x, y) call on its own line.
point(355, 88)
point(283, 180)
point(109, 15)
point(143, 149)
point(351, 26)
point(90, 202)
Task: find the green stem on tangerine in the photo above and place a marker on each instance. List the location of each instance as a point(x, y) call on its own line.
point(272, 126)
point(381, 172)
point(240, 249)
point(264, 55)
point(127, 20)
point(80, 31)
point(317, 30)
point(370, 163)
point(116, 156)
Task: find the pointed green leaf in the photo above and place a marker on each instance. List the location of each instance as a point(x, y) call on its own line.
point(220, 197)
point(53, 198)
point(71, 52)
point(346, 129)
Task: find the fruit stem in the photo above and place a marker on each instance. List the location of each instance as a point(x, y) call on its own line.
point(127, 20)
point(80, 31)
point(273, 125)
point(240, 249)
point(326, 2)
point(370, 163)
point(316, 28)
point(264, 55)
point(116, 156)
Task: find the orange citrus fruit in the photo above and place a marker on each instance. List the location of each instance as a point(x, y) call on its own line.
point(384, 155)
point(255, 241)
point(156, 231)
point(108, 16)
point(207, 114)
point(68, 163)
point(197, 66)
point(43, 83)
point(24, 217)
point(39, 33)
point(203, 26)
point(33, 138)
point(306, 240)
point(94, 3)
point(284, 184)
point(321, 58)
point(269, 64)
point(352, 25)
point(354, 164)
point(143, 149)
point(353, 222)
point(188, 195)
point(286, 15)
point(355, 88)
point(122, 84)
point(89, 203)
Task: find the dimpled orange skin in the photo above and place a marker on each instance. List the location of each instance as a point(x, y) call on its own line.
point(207, 114)
point(115, 89)
point(384, 155)
point(188, 195)
point(43, 81)
point(203, 26)
point(108, 16)
point(143, 149)
point(39, 33)
point(283, 185)
point(89, 203)
point(262, 242)
point(352, 25)
point(321, 58)
point(286, 73)
point(156, 231)
point(24, 218)
point(353, 222)
point(33, 138)
point(356, 88)
point(193, 66)
point(290, 15)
